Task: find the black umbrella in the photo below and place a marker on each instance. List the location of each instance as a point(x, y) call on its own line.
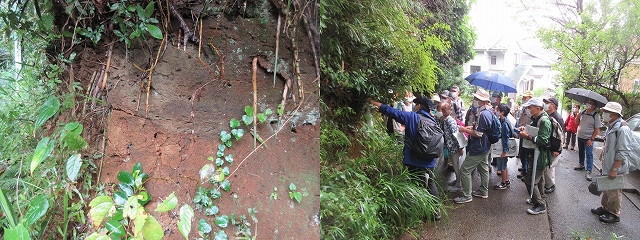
point(583, 95)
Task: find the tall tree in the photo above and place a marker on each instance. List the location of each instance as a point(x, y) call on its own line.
point(596, 41)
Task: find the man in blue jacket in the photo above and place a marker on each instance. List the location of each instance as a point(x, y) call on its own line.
point(418, 165)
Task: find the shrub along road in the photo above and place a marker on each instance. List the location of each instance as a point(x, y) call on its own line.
point(503, 215)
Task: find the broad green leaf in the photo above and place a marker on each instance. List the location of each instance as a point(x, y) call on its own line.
point(225, 171)
point(215, 193)
point(152, 230)
point(206, 172)
point(168, 204)
point(73, 127)
point(143, 198)
point(115, 228)
point(218, 176)
point(97, 236)
point(297, 196)
point(148, 11)
point(37, 208)
point(268, 111)
point(220, 153)
point(75, 142)
point(280, 109)
point(292, 187)
point(228, 143)
point(19, 232)
point(225, 185)
point(126, 178)
point(221, 235)
point(186, 217)
point(229, 158)
point(219, 162)
point(73, 166)
point(204, 227)
point(137, 167)
point(237, 133)
point(222, 221)
point(140, 11)
point(253, 212)
point(154, 31)
point(49, 108)
point(126, 189)
point(261, 117)
point(248, 120)
point(212, 210)
point(234, 123)
point(139, 222)
point(248, 110)
point(225, 136)
point(100, 208)
point(44, 148)
point(120, 197)
point(130, 209)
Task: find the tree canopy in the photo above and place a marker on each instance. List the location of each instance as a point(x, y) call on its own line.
point(596, 41)
point(373, 46)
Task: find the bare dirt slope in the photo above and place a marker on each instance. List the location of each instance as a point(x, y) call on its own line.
point(173, 146)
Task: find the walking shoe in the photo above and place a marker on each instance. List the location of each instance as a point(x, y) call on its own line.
point(520, 169)
point(453, 189)
point(529, 201)
point(578, 168)
point(537, 209)
point(521, 175)
point(452, 183)
point(609, 218)
point(572, 149)
point(478, 193)
point(588, 176)
point(565, 146)
point(463, 199)
point(550, 189)
point(599, 211)
point(501, 186)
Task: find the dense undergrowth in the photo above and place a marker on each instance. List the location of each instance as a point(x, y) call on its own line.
point(372, 195)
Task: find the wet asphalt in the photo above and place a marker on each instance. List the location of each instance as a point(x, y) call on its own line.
point(503, 215)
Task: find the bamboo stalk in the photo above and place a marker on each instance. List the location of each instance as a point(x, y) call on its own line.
point(255, 100)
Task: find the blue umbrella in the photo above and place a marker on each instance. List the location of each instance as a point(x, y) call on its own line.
point(492, 81)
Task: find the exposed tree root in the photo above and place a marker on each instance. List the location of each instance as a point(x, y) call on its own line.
point(188, 34)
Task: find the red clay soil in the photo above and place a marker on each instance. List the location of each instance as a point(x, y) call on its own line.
point(172, 146)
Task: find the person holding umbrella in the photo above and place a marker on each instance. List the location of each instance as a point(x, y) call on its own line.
point(589, 124)
point(541, 158)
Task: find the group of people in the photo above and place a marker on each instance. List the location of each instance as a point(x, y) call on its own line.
point(535, 149)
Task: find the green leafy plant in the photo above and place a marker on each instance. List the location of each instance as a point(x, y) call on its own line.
point(133, 21)
point(293, 194)
point(274, 194)
point(124, 215)
point(92, 34)
point(244, 226)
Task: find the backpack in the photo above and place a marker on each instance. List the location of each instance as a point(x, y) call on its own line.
point(555, 141)
point(494, 131)
point(429, 140)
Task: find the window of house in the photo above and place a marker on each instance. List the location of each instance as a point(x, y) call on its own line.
point(515, 59)
point(493, 60)
point(473, 69)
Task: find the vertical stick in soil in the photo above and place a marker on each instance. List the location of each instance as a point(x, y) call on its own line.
point(275, 65)
point(255, 100)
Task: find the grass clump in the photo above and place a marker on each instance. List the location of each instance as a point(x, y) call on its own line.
point(371, 196)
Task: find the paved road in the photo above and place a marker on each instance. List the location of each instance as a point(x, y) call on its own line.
point(503, 215)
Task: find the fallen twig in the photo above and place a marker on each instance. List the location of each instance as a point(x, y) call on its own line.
point(106, 74)
point(255, 99)
point(275, 64)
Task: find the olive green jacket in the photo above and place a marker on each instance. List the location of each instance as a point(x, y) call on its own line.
point(542, 139)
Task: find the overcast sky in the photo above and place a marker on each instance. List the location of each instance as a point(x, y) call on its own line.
point(496, 18)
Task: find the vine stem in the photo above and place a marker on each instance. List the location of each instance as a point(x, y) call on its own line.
point(155, 63)
point(275, 64)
